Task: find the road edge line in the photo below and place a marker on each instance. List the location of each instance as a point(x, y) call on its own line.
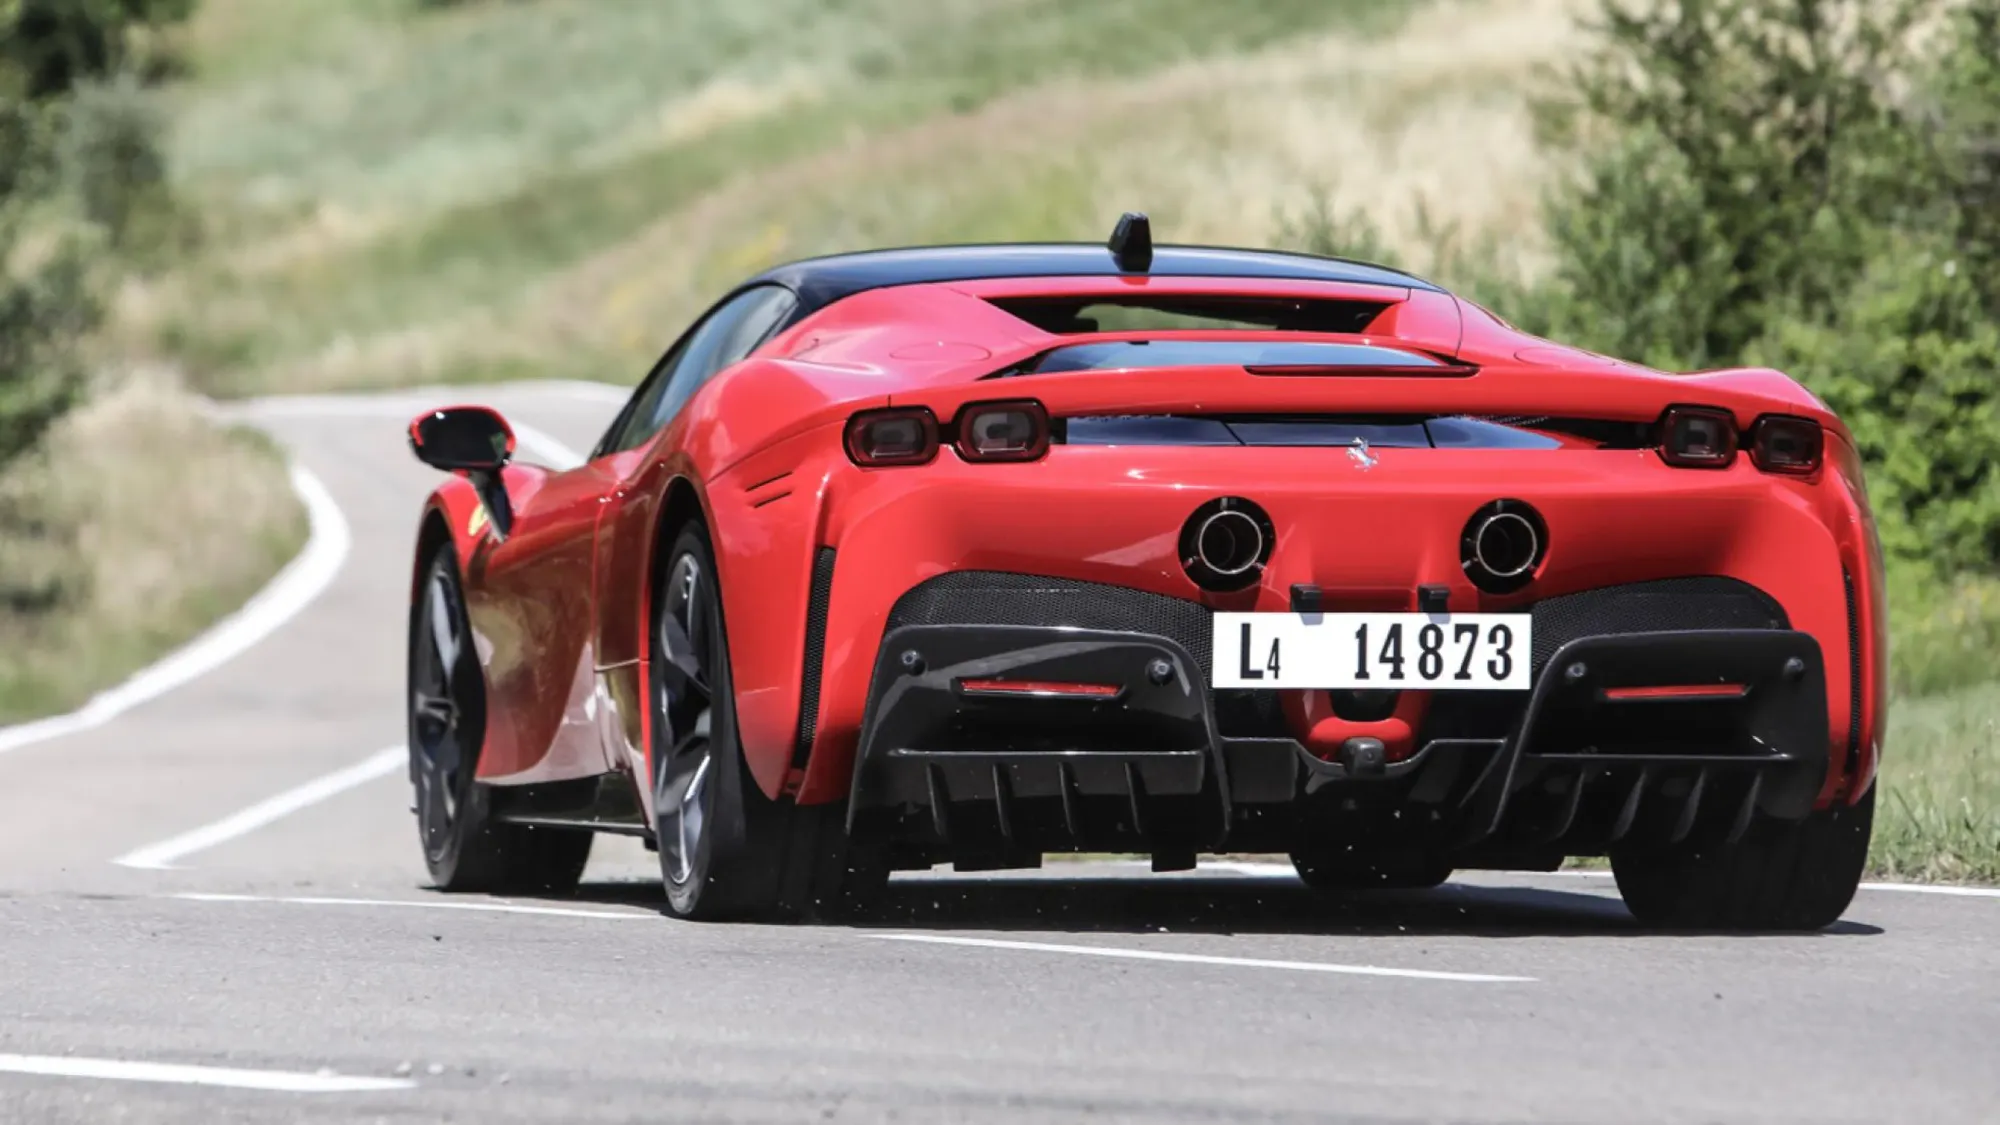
point(161, 856)
point(296, 585)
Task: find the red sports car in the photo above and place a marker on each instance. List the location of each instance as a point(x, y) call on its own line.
point(970, 554)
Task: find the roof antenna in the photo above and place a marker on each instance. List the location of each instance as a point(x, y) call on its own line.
point(1132, 242)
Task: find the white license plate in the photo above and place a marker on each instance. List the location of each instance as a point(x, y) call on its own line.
point(1343, 651)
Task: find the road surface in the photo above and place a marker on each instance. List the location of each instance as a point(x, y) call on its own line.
point(268, 949)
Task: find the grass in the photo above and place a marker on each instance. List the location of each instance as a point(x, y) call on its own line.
point(499, 190)
point(112, 562)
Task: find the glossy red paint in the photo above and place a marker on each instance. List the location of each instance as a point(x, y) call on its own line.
point(759, 454)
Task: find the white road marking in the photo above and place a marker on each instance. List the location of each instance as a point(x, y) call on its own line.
point(125, 1070)
point(292, 590)
point(1203, 959)
point(161, 856)
point(489, 907)
point(1935, 889)
point(1950, 890)
point(553, 453)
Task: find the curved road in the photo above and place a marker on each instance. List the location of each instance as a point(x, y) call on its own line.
point(276, 955)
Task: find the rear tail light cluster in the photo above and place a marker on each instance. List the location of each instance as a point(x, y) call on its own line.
point(1701, 437)
point(1015, 430)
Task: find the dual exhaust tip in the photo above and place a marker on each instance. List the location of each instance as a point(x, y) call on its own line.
point(1226, 543)
point(1503, 545)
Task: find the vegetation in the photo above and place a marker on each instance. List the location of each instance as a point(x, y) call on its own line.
point(104, 561)
point(1811, 185)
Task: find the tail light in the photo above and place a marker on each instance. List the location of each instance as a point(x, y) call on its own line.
point(897, 436)
point(1780, 444)
point(1698, 437)
point(1003, 431)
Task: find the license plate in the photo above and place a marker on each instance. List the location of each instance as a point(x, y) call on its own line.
point(1346, 651)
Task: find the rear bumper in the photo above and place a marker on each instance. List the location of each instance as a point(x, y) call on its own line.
point(1144, 765)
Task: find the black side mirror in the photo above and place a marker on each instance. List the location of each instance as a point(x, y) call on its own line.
point(469, 439)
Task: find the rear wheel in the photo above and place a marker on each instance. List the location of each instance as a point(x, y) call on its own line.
point(1782, 875)
point(727, 850)
point(464, 848)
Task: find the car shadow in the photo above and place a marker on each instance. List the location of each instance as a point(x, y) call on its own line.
point(1220, 904)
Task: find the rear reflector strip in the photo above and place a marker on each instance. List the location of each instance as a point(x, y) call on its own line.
point(1043, 689)
point(1678, 691)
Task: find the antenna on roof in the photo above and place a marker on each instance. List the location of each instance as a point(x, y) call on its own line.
point(1132, 242)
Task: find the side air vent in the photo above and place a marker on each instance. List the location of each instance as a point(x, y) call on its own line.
point(817, 602)
point(1853, 674)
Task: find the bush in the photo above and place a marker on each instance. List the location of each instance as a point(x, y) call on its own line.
point(50, 47)
point(1912, 364)
point(46, 302)
point(1796, 183)
point(111, 159)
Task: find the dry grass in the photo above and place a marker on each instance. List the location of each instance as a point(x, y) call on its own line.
point(576, 214)
point(143, 522)
point(1217, 148)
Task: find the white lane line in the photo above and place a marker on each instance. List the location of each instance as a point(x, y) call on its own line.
point(125, 1070)
point(292, 590)
point(1203, 959)
point(161, 856)
point(1935, 889)
point(489, 907)
point(1950, 890)
point(553, 453)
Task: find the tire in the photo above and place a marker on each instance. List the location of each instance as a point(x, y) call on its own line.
point(1333, 868)
point(726, 850)
point(1781, 876)
point(464, 849)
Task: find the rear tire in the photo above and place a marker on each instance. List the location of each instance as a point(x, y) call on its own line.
point(1781, 876)
point(726, 850)
point(464, 849)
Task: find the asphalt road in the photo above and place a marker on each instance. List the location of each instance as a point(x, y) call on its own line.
point(288, 963)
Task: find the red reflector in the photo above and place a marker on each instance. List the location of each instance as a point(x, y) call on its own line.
point(1678, 691)
point(1038, 687)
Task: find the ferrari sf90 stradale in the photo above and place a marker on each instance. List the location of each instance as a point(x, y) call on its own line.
point(972, 554)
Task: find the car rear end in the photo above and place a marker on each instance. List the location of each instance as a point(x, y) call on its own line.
point(1175, 595)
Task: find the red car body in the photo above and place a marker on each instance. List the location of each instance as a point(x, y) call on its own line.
point(814, 552)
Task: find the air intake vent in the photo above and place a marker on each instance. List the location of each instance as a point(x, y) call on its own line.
point(817, 602)
point(1853, 674)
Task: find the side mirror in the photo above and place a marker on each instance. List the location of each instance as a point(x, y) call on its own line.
point(470, 439)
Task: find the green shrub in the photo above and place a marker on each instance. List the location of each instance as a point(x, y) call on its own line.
point(1912, 363)
point(112, 160)
point(50, 47)
point(46, 301)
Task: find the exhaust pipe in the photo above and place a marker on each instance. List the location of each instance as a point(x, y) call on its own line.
point(1225, 544)
point(1229, 543)
point(1503, 544)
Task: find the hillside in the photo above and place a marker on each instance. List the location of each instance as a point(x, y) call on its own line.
point(551, 188)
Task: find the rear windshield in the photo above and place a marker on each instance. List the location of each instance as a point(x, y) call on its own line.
point(1120, 355)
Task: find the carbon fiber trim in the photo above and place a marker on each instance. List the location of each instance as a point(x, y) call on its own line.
point(986, 597)
point(1000, 598)
point(1665, 605)
point(817, 603)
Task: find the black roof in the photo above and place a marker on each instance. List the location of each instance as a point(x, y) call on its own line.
point(821, 281)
